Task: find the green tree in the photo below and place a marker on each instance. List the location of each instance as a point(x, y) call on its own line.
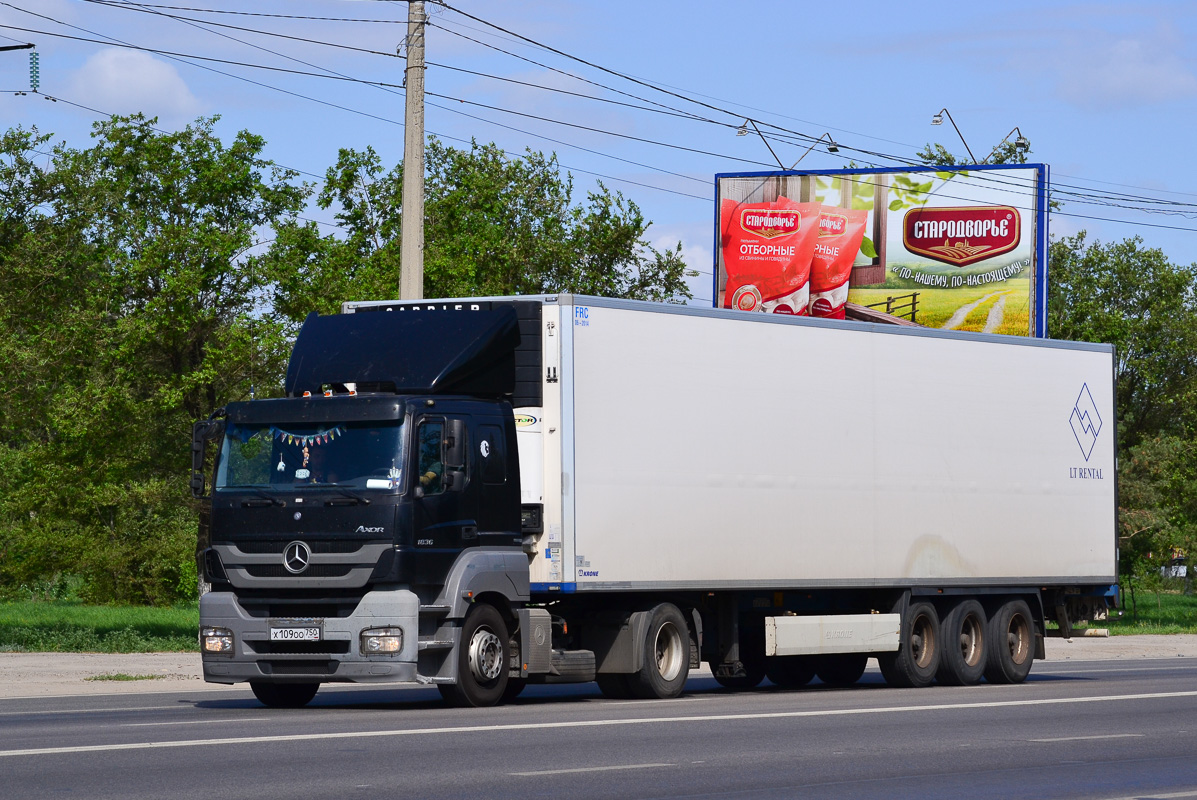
point(494, 225)
point(127, 310)
point(1136, 299)
point(1005, 152)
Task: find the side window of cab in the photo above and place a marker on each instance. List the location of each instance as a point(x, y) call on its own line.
point(430, 467)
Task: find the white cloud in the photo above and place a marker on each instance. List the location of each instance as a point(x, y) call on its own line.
point(126, 81)
point(1127, 72)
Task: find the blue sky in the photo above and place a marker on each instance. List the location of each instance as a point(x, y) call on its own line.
point(1106, 93)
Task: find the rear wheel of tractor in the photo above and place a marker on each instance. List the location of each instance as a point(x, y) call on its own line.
point(965, 642)
point(790, 672)
point(841, 669)
point(666, 655)
point(284, 695)
point(1012, 639)
point(482, 660)
point(917, 659)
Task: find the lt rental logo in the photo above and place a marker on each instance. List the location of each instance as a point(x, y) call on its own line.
point(1086, 425)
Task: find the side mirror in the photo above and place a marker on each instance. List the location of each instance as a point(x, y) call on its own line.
point(455, 444)
point(201, 432)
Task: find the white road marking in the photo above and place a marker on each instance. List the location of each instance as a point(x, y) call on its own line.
point(1156, 796)
point(86, 711)
point(595, 723)
point(1089, 738)
point(590, 769)
point(193, 722)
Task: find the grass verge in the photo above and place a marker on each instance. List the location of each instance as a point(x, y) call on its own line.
point(121, 676)
point(1167, 612)
point(72, 627)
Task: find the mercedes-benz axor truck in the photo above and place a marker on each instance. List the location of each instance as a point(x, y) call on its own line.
point(480, 494)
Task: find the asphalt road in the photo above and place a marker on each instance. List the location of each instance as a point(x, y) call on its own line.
point(1101, 729)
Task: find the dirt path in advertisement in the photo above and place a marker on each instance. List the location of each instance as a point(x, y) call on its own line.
point(996, 315)
point(957, 318)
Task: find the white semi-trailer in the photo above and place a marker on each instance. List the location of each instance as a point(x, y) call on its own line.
point(483, 493)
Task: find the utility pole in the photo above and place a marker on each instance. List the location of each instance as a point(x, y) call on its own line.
point(411, 251)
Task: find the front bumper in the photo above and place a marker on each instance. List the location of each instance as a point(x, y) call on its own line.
point(336, 657)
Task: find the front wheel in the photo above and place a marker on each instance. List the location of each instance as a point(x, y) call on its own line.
point(917, 659)
point(284, 695)
point(481, 660)
point(666, 655)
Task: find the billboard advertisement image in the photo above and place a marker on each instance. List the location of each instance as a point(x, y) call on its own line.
point(957, 248)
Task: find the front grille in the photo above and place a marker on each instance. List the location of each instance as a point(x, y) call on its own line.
point(298, 667)
point(300, 648)
point(261, 604)
point(314, 571)
point(277, 547)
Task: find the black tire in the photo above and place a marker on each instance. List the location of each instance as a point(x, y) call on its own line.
point(917, 658)
point(1012, 638)
point(965, 645)
point(841, 669)
point(790, 672)
point(284, 695)
point(666, 655)
point(482, 660)
point(614, 685)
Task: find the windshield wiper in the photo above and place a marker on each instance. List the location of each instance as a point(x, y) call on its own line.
point(274, 501)
point(343, 490)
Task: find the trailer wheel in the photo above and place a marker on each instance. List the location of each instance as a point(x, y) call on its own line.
point(965, 642)
point(481, 660)
point(666, 655)
point(1012, 635)
point(614, 685)
point(790, 672)
point(284, 695)
point(917, 659)
point(841, 669)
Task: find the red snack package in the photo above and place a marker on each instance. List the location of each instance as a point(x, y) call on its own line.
point(840, 233)
point(767, 249)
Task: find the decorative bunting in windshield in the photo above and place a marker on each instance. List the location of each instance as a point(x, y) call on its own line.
point(321, 437)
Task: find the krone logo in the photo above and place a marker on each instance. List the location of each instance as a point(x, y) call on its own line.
point(296, 557)
point(961, 235)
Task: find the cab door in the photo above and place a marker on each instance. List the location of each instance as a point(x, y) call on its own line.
point(443, 520)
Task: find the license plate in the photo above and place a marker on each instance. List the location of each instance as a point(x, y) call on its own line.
point(294, 634)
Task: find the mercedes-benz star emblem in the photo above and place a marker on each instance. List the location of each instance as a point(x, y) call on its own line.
point(296, 557)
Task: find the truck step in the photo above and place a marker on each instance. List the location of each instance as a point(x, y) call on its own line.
point(434, 610)
point(435, 644)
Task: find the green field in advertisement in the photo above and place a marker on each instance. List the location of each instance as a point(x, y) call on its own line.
point(950, 248)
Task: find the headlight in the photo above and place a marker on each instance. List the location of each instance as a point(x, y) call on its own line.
point(382, 641)
point(216, 640)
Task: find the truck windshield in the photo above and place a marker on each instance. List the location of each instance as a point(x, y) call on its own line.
point(362, 455)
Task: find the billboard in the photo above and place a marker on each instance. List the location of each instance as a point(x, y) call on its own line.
point(957, 248)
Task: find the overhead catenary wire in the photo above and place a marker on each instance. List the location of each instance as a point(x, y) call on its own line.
point(1105, 199)
point(182, 58)
point(1060, 190)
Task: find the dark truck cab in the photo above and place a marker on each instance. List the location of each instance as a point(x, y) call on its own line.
point(352, 524)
